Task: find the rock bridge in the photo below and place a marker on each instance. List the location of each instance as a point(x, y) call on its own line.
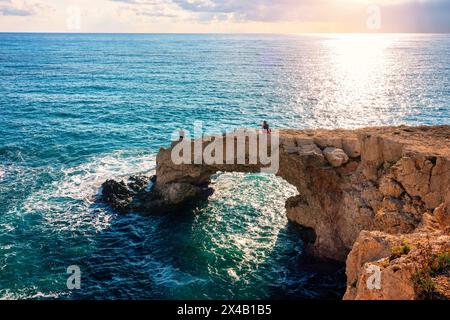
point(385, 178)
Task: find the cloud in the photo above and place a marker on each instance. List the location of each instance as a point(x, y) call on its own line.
point(425, 11)
point(11, 11)
point(229, 15)
point(256, 10)
point(21, 8)
point(152, 12)
point(429, 15)
point(237, 10)
point(154, 9)
point(418, 16)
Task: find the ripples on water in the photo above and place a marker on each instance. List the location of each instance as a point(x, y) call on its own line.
point(78, 109)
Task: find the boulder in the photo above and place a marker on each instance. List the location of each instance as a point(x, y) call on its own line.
point(177, 193)
point(138, 183)
point(335, 156)
point(324, 142)
point(120, 195)
point(116, 194)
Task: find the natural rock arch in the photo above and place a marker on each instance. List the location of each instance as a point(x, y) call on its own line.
point(348, 180)
point(302, 162)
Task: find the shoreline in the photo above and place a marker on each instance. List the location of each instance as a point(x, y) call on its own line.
point(377, 198)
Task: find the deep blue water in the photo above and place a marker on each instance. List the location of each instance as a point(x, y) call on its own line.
point(78, 109)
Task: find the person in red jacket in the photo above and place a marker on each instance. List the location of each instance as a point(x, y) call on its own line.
point(265, 127)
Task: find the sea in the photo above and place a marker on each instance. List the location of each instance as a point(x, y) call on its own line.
point(77, 109)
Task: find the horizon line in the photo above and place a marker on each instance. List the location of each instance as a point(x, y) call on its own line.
point(215, 33)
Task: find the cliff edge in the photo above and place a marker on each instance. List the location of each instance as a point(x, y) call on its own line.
point(377, 198)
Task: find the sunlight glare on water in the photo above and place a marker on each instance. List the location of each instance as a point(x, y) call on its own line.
point(77, 109)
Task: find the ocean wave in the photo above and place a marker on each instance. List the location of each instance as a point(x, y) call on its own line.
point(165, 275)
point(249, 234)
point(69, 202)
point(24, 294)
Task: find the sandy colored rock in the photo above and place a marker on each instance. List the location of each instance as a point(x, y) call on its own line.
point(352, 147)
point(396, 185)
point(399, 261)
point(335, 156)
point(442, 215)
point(324, 141)
point(380, 191)
point(390, 188)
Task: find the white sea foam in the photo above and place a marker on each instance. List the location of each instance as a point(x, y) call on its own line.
point(6, 227)
point(6, 294)
point(68, 202)
point(48, 295)
point(233, 274)
point(252, 235)
point(82, 182)
point(168, 276)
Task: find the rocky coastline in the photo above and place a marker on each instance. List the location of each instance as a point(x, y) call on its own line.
point(376, 198)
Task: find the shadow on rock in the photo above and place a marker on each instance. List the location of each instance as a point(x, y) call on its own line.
point(141, 194)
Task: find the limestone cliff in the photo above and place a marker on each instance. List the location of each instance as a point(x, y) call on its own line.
point(362, 195)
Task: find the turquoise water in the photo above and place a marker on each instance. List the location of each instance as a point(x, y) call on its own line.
point(78, 109)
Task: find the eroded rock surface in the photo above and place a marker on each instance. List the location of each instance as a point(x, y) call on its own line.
point(410, 266)
point(335, 156)
point(360, 192)
point(120, 194)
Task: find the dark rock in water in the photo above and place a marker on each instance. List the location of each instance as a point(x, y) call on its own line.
point(169, 198)
point(135, 196)
point(177, 193)
point(116, 194)
point(138, 183)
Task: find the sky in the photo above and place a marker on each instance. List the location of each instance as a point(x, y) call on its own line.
point(217, 16)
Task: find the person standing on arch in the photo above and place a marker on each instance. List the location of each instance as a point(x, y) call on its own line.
point(181, 134)
point(265, 127)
